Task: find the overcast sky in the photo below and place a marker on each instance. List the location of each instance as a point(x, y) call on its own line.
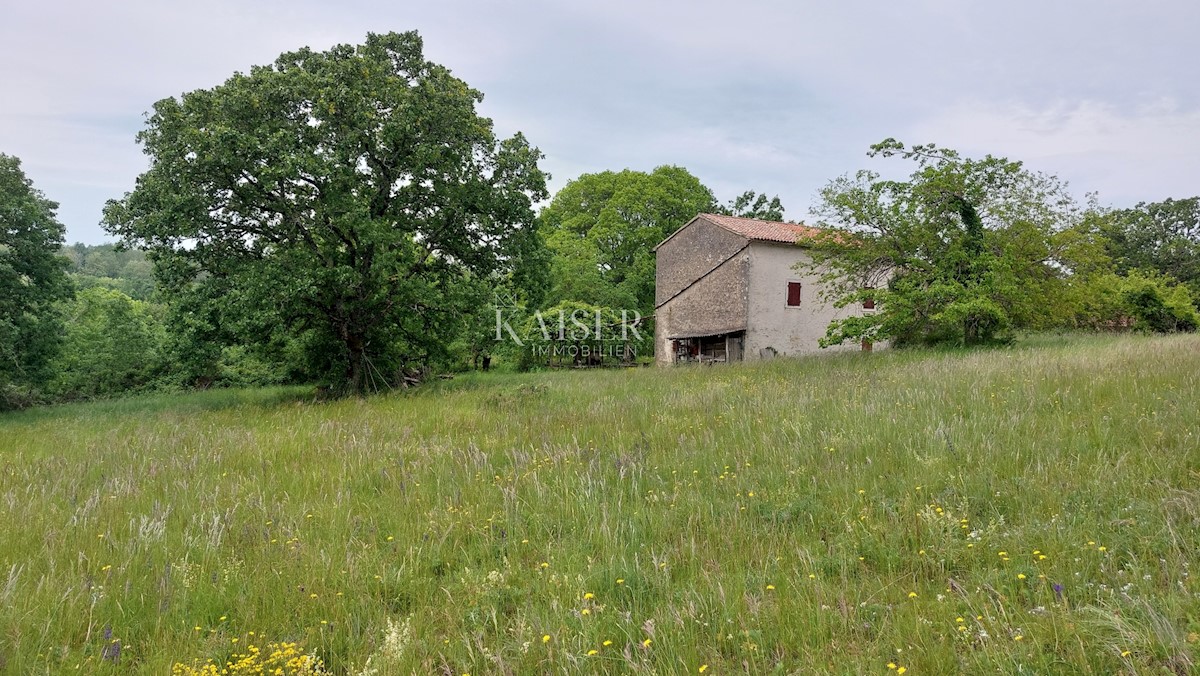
point(777, 97)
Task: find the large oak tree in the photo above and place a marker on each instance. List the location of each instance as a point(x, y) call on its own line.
point(340, 195)
point(32, 280)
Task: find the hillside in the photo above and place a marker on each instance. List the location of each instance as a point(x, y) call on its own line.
point(1034, 508)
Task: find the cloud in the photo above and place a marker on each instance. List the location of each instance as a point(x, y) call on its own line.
point(771, 95)
point(1147, 152)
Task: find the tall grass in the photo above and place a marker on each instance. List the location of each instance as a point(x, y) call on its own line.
point(1031, 509)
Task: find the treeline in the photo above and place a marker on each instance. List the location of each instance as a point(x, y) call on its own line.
point(346, 218)
point(109, 325)
point(972, 251)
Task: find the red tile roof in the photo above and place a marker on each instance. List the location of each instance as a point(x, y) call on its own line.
point(763, 231)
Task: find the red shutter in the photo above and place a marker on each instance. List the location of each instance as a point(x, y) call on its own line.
point(793, 298)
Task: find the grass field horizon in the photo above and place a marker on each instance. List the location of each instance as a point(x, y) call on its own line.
point(1031, 508)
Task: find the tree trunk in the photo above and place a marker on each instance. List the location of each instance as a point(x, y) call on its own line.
point(356, 369)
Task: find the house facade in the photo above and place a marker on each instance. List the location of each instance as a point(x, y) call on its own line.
point(727, 289)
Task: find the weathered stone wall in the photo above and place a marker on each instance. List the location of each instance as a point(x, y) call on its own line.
point(690, 253)
point(717, 302)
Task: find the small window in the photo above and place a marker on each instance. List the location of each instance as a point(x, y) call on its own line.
point(793, 294)
point(868, 302)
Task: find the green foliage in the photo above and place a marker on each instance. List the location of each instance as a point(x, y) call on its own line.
point(960, 253)
point(110, 267)
point(1157, 304)
point(602, 228)
point(1134, 301)
point(32, 281)
point(332, 200)
point(112, 345)
point(751, 205)
point(1161, 236)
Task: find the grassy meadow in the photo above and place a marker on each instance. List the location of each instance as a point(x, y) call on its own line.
point(1029, 509)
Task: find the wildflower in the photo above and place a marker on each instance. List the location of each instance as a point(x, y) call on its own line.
point(588, 596)
point(585, 611)
point(1125, 653)
point(891, 665)
point(593, 651)
point(959, 620)
point(1018, 637)
point(912, 595)
point(901, 670)
point(1020, 576)
point(646, 643)
point(703, 668)
point(545, 564)
point(606, 643)
point(620, 580)
point(546, 638)
point(1102, 549)
point(770, 587)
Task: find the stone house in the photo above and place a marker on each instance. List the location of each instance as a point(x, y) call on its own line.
point(726, 289)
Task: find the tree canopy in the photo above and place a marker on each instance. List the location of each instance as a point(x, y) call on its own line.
point(960, 252)
point(602, 228)
point(337, 195)
point(753, 205)
point(32, 279)
point(1162, 237)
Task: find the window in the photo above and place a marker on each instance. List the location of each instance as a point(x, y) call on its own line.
point(793, 294)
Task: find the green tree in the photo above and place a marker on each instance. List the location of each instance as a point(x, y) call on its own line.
point(337, 194)
point(601, 229)
point(108, 266)
point(752, 205)
point(112, 345)
point(961, 252)
point(32, 281)
point(1157, 236)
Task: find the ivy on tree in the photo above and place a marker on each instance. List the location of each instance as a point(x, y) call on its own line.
point(338, 195)
point(32, 279)
point(959, 253)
